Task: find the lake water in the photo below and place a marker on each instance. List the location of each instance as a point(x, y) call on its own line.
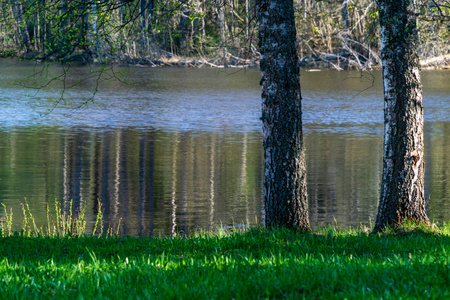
point(172, 150)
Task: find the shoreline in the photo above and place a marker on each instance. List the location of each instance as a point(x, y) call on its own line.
point(328, 61)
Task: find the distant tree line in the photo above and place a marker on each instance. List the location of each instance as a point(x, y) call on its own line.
point(340, 33)
point(115, 29)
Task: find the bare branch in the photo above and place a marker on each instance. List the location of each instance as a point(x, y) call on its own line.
point(433, 18)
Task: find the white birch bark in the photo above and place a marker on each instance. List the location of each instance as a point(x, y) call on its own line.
point(402, 188)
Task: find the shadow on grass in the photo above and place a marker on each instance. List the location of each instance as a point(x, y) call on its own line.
point(255, 242)
point(257, 263)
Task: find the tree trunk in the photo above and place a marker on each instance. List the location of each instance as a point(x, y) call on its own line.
point(84, 39)
point(222, 25)
point(345, 20)
point(183, 26)
point(21, 25)
point(285, 195)
point(246, 18)
point(402, 188)
point(150, 12)
point(94, 37)
point(144, 33)
point(61, 35)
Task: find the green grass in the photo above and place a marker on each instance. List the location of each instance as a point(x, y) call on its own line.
point(256, 263)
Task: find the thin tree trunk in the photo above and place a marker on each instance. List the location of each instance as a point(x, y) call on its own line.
point(84, 28)
point(246, 18)
point(183, 26)
point(201, 40)
point(150, 12)
point(63, 43)
point(46, 27)
point(222, 27)
point(402, 188)
point(93, 34)
point(144, 25)
point(232, 23)
point(285, 194)
point(21, 25)
point(345, 20)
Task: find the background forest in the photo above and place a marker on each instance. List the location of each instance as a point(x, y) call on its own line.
point(337, 34)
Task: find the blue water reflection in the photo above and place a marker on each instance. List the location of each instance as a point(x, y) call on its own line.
point(176, 149)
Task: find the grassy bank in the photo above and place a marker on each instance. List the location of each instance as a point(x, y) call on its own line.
point(256, 263)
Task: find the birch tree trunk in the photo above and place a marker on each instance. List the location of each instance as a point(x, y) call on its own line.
point(94, 37)
point(222, 25)
point(246, 18)
point(285, 194)
point(402, 188)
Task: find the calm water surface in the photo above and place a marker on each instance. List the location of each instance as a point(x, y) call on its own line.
point(175, 149)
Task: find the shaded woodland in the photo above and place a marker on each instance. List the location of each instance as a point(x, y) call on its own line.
point(338, 34)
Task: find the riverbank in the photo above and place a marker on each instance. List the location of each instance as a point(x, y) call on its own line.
point(338, 61)
point(256, 263)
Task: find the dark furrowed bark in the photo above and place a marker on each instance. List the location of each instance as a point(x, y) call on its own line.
point(284, 179)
